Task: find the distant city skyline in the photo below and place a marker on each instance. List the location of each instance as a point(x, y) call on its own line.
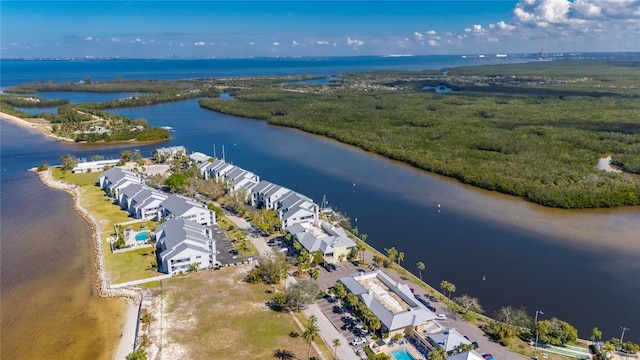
point(237, 29)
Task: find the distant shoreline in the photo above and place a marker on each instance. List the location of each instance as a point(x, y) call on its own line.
point(42, 126)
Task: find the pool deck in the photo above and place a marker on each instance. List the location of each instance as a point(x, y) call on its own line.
point(407, 346)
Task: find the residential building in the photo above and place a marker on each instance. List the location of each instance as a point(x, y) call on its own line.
point(320, 235)
point(115, 179)
point(200, 158)
point(91, 166)
point(266, 194)
point(294, 208)
point(448, 339)
point(182, 243)
point(176, 206)
point(141, 201)
point(169, 153)
point(393, 303)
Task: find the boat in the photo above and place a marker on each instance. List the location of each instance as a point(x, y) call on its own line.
point(168, 128)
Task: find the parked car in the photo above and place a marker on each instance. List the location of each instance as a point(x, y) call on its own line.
point(357, 341)
point(274, 242)
point(475, 344)
point(331, 267)
point(233, 252)
point(441, 317)
point(488, 356)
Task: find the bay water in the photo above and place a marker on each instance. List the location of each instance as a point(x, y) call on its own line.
point(581, 266)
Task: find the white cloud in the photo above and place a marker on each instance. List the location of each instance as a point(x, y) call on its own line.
point(275, 43)
point(322, 42)
point(199, 43)
point(335, 45)
point(251, 43)
point(354, 42)
point(431, 32)
point(433, 43)
point(418, 36)
point(138, 40)
point(116, 39)
point(295, 43)
point(89, 38)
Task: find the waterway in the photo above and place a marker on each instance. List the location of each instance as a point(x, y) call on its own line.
point(498, 248)
point(580, 266)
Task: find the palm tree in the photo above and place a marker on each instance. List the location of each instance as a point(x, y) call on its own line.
point(361, 248)
point(400, 257)
point(595, 333)
point(336, 343)
point(392, 254)
point(283, 354)
point(314, 273)
point(421, 267)
point(437, 353)
point(311, 330)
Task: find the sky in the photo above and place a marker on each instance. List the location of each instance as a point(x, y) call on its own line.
point(239, 29)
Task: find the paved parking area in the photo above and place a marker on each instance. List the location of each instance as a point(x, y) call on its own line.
point(337, 319)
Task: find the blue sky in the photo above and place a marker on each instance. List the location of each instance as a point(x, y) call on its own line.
point(203, 29)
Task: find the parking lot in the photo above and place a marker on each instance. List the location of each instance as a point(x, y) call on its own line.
point(339, 318)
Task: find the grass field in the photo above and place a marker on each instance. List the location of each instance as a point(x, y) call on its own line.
point(218, 316)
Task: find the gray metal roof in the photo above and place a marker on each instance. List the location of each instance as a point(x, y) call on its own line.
point(449, 339)
point(175, 231)
point(414, 316)
point(178, 205)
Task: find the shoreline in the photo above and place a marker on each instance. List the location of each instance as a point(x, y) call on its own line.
point(43, 128)
point(132, 297)
point(40, 127)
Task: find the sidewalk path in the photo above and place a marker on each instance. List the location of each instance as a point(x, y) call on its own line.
point(125, 347)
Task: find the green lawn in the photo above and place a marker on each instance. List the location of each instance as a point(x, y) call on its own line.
point(121, 267)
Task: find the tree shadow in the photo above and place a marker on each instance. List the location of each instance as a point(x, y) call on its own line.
point(283, 354)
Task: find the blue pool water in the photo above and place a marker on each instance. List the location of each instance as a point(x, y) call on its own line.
point(142, 236)
point(402, 355)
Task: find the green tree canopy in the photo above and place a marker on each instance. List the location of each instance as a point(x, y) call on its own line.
point(176, 181)
point(557, 332)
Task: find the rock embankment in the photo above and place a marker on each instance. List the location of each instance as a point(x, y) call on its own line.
point(102, 282)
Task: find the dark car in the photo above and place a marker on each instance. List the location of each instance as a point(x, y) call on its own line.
point(475, 344)
point(330, 267)
point(233, 252)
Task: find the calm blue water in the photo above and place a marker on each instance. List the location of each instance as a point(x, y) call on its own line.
point(394, 204)
point(16, 72)
point(402, 355)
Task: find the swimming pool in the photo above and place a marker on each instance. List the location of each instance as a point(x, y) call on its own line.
point(402, 355)
point(142, 236)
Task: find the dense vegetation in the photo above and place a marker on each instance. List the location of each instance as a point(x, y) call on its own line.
point(31, 101)
point(530, 130)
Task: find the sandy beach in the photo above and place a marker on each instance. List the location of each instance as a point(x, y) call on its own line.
point(41, 125)
point(133, 297)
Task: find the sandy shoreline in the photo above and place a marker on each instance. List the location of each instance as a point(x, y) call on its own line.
point(40, 125)
point(133, 297)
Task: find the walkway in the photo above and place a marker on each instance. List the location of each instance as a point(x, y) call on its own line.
point(140, 281)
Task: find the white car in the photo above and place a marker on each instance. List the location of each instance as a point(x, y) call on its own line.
point(357, 341)
point(441, 317)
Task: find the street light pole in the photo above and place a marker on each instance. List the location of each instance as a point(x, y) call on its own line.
point(623, 330)
point(535, 349)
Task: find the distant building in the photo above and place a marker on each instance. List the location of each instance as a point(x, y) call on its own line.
point(200, 158)
point(295, 208)
point(141, 201)
point(92, 166)
point(169, 153)
point(182, 243)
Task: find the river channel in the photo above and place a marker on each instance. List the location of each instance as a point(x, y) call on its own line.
point(580, 266)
